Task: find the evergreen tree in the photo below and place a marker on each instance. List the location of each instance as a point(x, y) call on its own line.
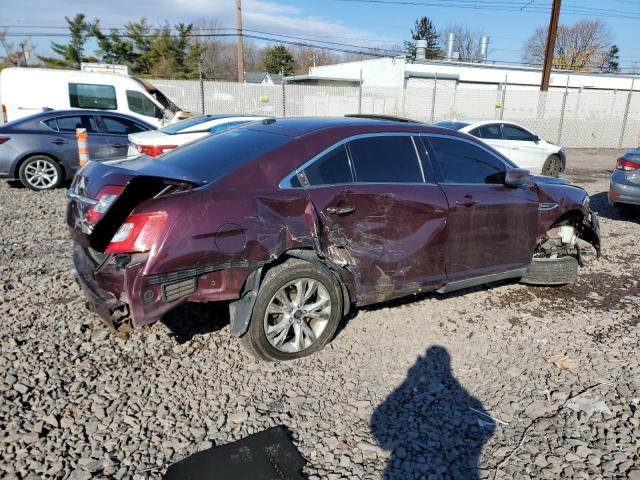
point(611, 61)
point(424, 29)
point(278, 60)
point(113, 48)
point(72, 53)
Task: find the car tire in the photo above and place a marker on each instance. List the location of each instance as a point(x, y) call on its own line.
point(280, 283)
point(551, 271)
point(40, 172)
point(552, 167)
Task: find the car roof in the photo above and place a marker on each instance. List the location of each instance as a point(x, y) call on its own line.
point(300, 126)
point(478, 122)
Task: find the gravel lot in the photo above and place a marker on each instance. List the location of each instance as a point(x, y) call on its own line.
point(406, 388)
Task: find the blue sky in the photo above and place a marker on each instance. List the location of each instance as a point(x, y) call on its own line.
point(366, 24)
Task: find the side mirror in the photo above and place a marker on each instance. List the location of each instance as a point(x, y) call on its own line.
point(516, 177)
point(536, 138)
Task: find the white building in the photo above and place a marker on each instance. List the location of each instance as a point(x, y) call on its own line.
point(401, 72)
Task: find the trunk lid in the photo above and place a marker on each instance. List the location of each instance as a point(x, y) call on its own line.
point(134, 180)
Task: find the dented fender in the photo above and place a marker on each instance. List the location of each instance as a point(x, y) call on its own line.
point(589, 231)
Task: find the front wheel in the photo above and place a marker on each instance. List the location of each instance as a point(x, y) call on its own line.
point(552, 166)
point(297, 311)
point(40, 172)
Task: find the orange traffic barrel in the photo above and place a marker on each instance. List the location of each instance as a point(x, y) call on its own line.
point(83, 145)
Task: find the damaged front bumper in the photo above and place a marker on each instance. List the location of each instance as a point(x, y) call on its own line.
point(589, 231)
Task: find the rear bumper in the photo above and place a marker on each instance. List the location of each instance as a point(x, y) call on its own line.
point(127, 297)
point(622, 190)
point(111, 310)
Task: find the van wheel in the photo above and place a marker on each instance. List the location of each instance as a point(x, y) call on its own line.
point(297, 311)
point(552, 166)
point(551, 271)
point(40, 172)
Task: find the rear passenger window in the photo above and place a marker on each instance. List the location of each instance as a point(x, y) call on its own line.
point(51, 123)
point(463, 163)
point(490, 132)
point(385, 159)
point(84, 95)
point(120, 126)
point(333, 168)
point(69, 124)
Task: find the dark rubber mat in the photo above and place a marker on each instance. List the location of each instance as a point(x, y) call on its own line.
point(268, 455)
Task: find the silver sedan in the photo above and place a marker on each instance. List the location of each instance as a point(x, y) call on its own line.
point(625, 180)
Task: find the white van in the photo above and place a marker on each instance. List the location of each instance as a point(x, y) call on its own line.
point(24, 91)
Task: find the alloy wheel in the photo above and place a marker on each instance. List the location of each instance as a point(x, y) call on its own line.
point(41, 174)
point(297, 315)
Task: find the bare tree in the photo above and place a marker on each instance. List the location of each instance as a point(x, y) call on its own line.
point(582, 46)
point(16, 55)
point(466, 42)
point(307, 57)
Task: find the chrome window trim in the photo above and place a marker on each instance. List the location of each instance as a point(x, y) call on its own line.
point(47, 126)
point(285, 183)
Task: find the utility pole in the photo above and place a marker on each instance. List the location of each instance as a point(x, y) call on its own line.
point(551, 46)
point(239, 40)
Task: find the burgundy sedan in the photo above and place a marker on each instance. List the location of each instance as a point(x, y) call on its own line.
point(295, 221)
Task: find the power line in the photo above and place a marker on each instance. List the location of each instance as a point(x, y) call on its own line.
point(506, 6)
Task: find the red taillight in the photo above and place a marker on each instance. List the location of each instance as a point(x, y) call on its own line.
point(137, 233)
point(3, 139)
point(624, 164)
point(155, 150)
point(4, 113)
point(106, 196)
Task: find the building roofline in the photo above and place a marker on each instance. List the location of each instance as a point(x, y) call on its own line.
point(295, 78)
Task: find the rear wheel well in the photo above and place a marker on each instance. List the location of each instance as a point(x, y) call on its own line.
point(26, 157)
point(312, 257)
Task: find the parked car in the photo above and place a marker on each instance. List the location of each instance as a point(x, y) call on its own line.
point(524, 148)
point(157, 142)
point(25, 91)
point(624, 189)
point(41, 150)
point(295, 221)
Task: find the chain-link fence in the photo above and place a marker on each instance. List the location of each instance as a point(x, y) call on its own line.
point(572, 118)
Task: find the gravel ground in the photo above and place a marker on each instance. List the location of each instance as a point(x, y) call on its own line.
point(502, 382)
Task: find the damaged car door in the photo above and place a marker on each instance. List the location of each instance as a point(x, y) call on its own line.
point(492, 226)
point(381, 216)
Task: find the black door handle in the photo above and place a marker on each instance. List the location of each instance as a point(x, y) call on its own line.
point(120, 145)
point(340, 210)
point(59, 141)
point(467, 201)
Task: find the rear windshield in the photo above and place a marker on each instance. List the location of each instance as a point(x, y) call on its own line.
point(189, 122)
point(451, 125)
point(215, 156)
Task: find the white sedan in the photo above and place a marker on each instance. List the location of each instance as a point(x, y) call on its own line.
point(524, 148)
point(157, 142)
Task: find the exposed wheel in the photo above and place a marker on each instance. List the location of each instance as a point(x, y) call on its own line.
point(552, 166)
point(40, 173)
point(297, 311)
point(551, 271)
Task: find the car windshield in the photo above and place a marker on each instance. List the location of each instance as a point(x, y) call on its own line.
point(188, 123)
point(215, 156)
point(451, 125)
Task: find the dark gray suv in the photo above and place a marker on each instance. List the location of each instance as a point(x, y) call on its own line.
point(41, 149)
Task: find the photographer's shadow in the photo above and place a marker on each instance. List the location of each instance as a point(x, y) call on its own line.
point(429, 426)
